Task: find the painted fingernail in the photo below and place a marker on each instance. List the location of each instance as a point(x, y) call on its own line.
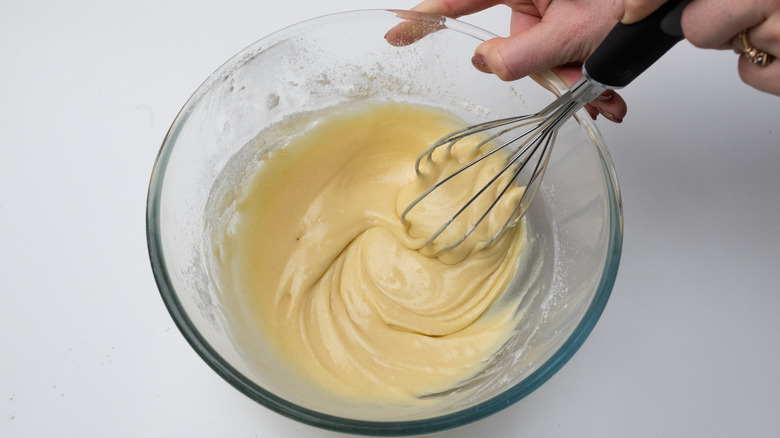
point(609, 116)
point(607, 95)
point(480, 63)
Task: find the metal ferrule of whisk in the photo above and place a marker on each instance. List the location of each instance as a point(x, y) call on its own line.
point(527, 142)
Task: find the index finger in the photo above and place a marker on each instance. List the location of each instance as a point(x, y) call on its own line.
point(413, 30)
point(636, 10)
point(713, 23)
point(455, 8)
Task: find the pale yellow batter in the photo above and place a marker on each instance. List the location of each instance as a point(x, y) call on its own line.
point(346, 294)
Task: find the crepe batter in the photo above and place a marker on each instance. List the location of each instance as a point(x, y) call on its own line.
point(345, 293)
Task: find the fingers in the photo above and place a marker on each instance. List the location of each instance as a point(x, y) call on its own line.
point(558, 36)
point(413, 30)
point(766, 34)
point(714, 24)
point(766, 79)
point(763, 77)
point(559, 41)
point(610, 105)
point(454, 8)
point(636, 10)
point(562, 36)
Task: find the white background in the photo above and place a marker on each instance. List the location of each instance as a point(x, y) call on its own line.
point(688, 346)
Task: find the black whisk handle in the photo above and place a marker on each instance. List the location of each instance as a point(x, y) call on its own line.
point(629, 49)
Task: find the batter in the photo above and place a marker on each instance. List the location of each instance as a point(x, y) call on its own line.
point(347, 294)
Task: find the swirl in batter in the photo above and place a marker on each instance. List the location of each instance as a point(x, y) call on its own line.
point(347, 295)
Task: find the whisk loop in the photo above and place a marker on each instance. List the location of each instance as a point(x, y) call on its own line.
point(527, 155)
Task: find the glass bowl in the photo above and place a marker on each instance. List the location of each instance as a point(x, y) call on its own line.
point(575, 221)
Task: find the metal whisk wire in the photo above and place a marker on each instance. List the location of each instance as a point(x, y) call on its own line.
point(536, 141)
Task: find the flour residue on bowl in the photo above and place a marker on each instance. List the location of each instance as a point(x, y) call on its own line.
point(313, 259)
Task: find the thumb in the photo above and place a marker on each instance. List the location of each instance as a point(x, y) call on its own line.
point(639, 9)
point(536, 49)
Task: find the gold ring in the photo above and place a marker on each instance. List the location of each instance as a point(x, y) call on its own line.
point(752, 54)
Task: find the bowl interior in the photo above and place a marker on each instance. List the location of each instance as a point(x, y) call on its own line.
point(575, 221)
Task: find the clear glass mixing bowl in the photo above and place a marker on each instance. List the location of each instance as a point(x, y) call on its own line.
point(576, 220)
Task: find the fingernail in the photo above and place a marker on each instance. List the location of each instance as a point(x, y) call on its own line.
point(609, 116)
point(480, 63)
point(607, 95)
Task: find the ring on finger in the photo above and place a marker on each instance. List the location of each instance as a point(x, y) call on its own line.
point(752, 54)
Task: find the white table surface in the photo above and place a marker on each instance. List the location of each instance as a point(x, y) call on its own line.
point(688, 346)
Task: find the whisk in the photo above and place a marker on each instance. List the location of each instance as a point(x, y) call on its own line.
point(626, 52)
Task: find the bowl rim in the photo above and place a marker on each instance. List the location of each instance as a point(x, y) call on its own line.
point(349, 425)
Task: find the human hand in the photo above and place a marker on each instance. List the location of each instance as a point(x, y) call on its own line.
point(544, 34)
point(715, 24)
